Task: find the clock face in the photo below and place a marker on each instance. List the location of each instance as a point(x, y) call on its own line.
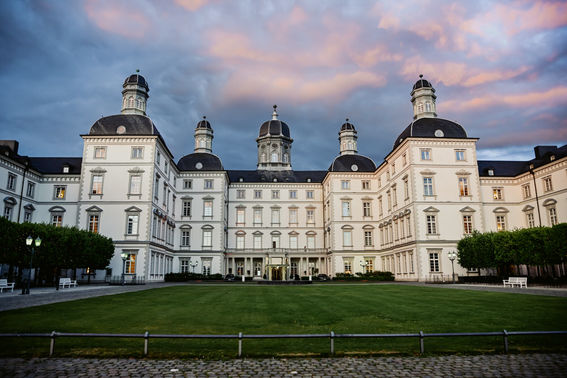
point(120, 129)
point(439, 133)
point(354, 167)
point(199, 165)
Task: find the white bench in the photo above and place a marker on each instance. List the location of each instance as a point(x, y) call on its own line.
point(67, 282)
point(4, 284)
point(512, 281)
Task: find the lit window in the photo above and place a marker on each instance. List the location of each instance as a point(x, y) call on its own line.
point(208, 208)
point(93, 225)
point(497, 193)
point(467, 224)
point(130, 265)
point(348, 266)
point(463, 186)
point(501, 222)
point(96, 185)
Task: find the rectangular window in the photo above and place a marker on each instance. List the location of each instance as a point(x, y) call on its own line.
point(368, 242)
point(30, 191)
point(404, 159)
point(57, 220)
point(208, 184)
point(240, 193)
point(257, 194)
point(365, 185)
point(292, 216)
point(158, 158)
point(11, 184)
point(257, 217)
point(208, 208)
point(135, 184)
point(184, 266)
point(394, 196)
point(186, 208)
point(501, 222)
point(467, 224)
point(366, 209)
point(185, 238)
point(460, 155)
point(100, 153)
point(463, 186)
point(293, 241)
point(497, 193)
point(239, 241)
point(530, 219)
point(311, 241)
point(425, 154)
point(309, 194)
point(275, 241)
point(431, 221)
point(275, 194)
point(310, 216)
point(275, 217)
point(96, 184)
point(345, 184)
point(434, 262)
point(428, 186)
point(293, 194)
point(348, 266)
point(406, 189)
point(8, 212)
point(93, 223)
point(187, 184)
point(207, 238)
point(526, 191)
point(130, 265)
point(547, 185)
point(346, 208)
point(257, 241)
point(380, 206)
point(369, 265)
point(347, 238)
point(552, 216)
point(240, 221)
point(156, 188)
point(137, 152)
point(389, 196)
point(27, 216)
point(132, 225)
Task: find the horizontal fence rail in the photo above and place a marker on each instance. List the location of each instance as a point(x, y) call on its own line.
point(240, 337)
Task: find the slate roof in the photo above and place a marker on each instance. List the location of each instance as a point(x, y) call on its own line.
point(352, 163)
point(422, 83)
point(503, 168)
point(279, 176)
point(208, 162)
point(137, 79)
point(274, 127)
point(347, 126)
point(426, 127)
point(54, 165)
point(134, 124)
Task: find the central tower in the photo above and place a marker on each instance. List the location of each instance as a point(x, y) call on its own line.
point(274, 145)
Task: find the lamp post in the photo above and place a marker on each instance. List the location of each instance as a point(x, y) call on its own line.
point(363, 264)
point(124, 256)
point(452, 256)
point(30, 242)
point(193, 265)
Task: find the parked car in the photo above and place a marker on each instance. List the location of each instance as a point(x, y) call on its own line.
point(323, 277)
point(229, 277)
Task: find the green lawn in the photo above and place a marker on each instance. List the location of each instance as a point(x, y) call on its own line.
point(195, 309)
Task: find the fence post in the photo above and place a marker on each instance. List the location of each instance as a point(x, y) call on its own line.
point(52, 344)
point(505, 333)
point(239, 344)
point(146, 342)
point(421, 343)
point(332, 337)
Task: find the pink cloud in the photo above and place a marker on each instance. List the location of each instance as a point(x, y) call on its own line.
point(117, 18)
point(551, 97)
point(537, 135)
point(192, 5)
point(369, 58)
point(541, 15)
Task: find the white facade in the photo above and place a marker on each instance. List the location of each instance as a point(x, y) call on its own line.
point(403, 216)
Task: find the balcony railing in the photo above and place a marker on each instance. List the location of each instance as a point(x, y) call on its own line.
point(278, 251)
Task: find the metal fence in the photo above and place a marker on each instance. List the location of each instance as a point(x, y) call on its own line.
point(421, 336)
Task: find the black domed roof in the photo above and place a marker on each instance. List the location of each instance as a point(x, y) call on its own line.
point(137, 79)
point(124, 124)
point(352, 163)
point(200, 161)
point(274, 127)
point(204, 124)
point(422, 83)
point(432, 128)
point(347, 126)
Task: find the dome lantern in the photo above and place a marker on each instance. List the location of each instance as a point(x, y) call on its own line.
point(423, 99)
point(348, 138)
point(274, 144)
point(204, 136)
point(135, 94)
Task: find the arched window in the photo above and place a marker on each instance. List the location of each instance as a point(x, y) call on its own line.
point(263, 157)
point(274, 158)
point(349, 144)
point(420, 107)
point(202, 143)
point(131, 102)
point(285, 158)
point(428, 106)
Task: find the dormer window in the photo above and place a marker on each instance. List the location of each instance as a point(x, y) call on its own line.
point(491, 172)
point(65, 169)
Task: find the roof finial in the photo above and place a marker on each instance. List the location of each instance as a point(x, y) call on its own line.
point(137, 70)
point(275, 113)
point(204, 117)
point(421, 76)
point(346, 119)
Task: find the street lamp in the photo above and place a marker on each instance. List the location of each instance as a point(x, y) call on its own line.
point(30, 242)
point(193, 265)
point(124, 256)
point(452, 256)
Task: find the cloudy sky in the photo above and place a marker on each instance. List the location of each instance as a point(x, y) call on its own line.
point(499, 69)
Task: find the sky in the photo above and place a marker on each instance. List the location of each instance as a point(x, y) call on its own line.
point(499, 69)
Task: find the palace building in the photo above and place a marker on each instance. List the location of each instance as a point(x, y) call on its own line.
point(403, 215)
